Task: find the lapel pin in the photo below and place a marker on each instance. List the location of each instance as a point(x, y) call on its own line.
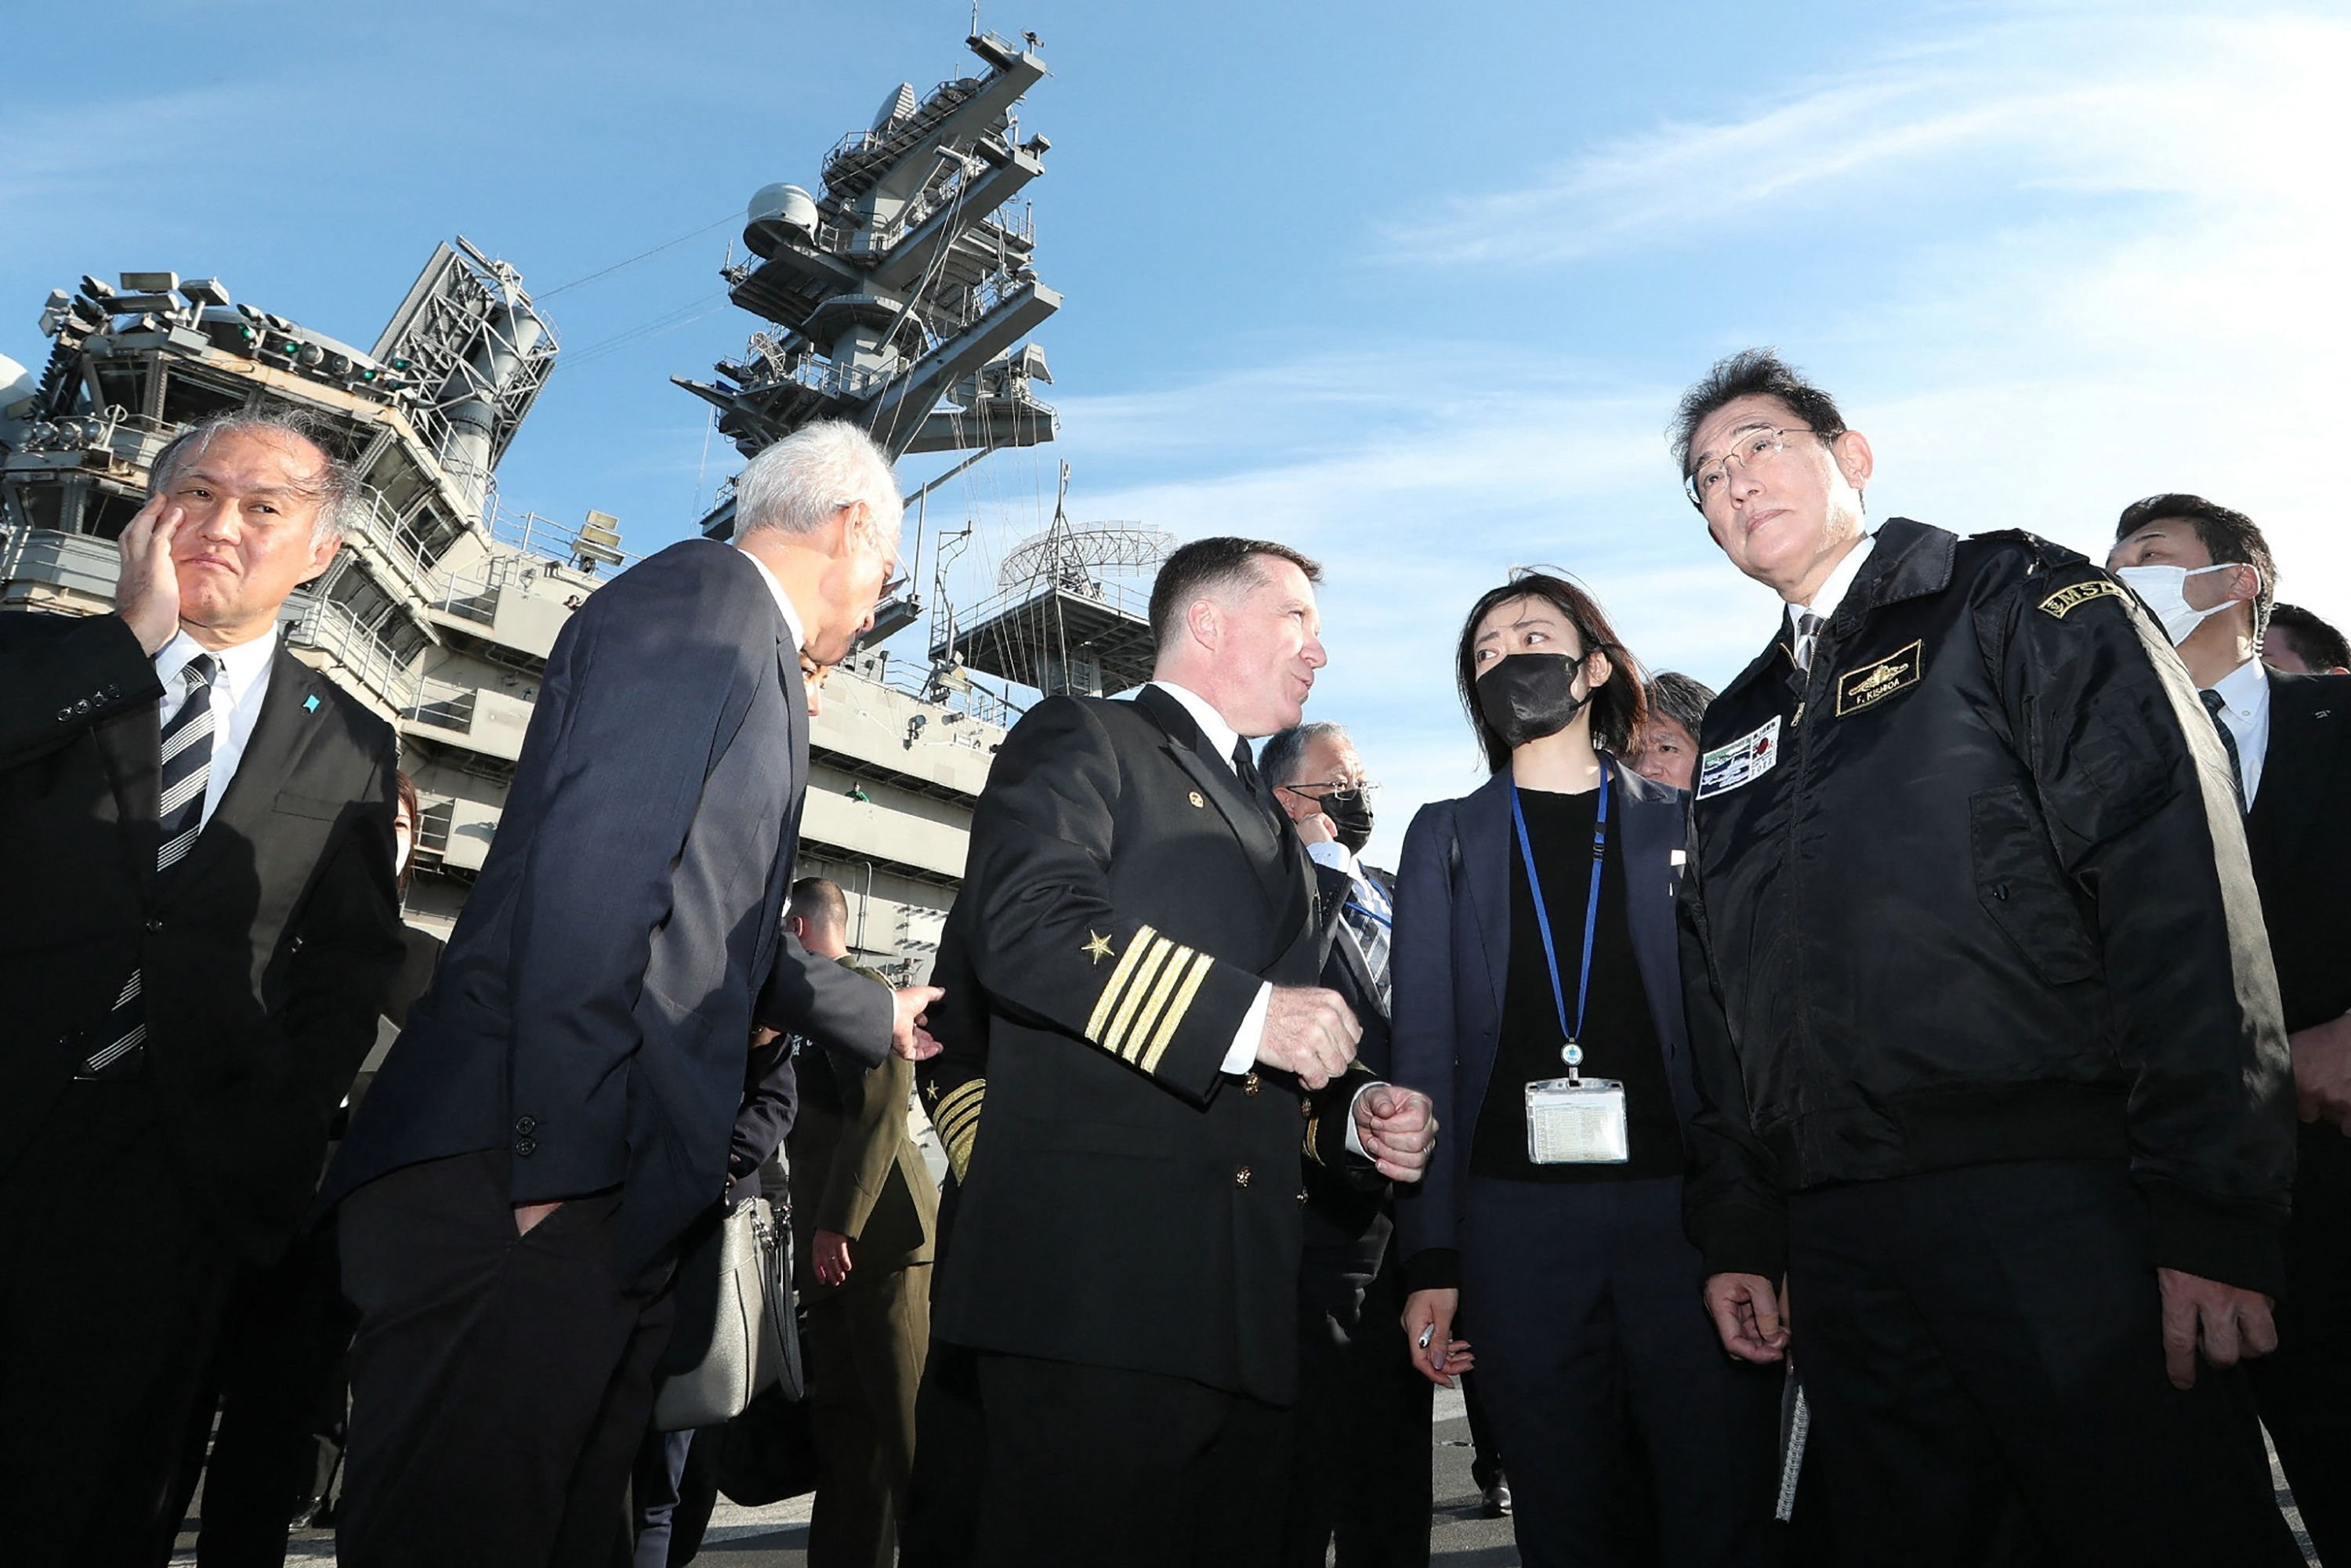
point(1198, 799)
point(309, 705)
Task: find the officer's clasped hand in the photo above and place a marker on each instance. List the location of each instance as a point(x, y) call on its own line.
point(1309, 1031)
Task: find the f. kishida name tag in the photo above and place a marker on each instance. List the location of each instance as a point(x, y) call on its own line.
point(1577, 1121)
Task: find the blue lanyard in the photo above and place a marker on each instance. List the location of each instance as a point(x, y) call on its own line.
point(1591, 911)
point(1368, 913)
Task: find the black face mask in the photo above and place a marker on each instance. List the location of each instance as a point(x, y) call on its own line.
point(1526, 696)
point(1350, 811)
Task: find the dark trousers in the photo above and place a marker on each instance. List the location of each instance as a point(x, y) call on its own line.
point(865, 1346)
point(279, 1381)
point(499, 1382)
point(1981, 1347)
point(110, 1307)
point(1088, 1465)
point(1362, 1468)
point(656, 1484)
point(942, 1527)
point(1628, 1436)
point(2304, 1391)
point(1485, 1452)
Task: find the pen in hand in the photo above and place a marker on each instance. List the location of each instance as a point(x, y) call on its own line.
point(1427, 1334)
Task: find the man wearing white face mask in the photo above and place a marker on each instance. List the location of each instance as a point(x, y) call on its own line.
point(2206, 571)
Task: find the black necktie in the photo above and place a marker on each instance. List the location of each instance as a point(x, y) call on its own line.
point(2213, 704)
point(187, 753)
point(1254, 783)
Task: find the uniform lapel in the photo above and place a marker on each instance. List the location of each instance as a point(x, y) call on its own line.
point(287, 728)
point(1281, 865)
point(1483, 822)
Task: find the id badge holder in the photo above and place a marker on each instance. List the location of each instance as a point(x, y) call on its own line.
point(1577, 1121)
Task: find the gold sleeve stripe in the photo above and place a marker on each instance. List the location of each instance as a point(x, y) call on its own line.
point(960, 1122)
point(959, 1150)
point(1165, 958)
point(965, 1094)
point(1154, 1010)
point(1173, 1018)
point(1120, 973)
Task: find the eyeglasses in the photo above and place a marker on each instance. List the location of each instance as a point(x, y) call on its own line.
point(1759, 443)
point(1333, 787)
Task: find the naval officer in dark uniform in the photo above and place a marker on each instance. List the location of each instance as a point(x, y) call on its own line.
point(1139, 924)
point(1986, 1034)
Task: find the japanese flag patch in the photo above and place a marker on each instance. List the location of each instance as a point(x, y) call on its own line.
point(1743, 761)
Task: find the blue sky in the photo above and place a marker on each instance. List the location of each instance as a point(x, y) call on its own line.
point(1413, 287)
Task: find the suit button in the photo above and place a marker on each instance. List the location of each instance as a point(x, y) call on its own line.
point(526, 1126)
point(155, 923)
point(1241, 1177)
point(82, 706)
point(526, 1147)
point(1252, 1083)
point(65, 715)
point(1301, 1197)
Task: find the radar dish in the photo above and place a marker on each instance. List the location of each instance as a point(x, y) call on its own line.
point(1121, 549)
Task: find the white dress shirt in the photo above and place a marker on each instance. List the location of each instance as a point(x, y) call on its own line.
point(1831, 594)
point(240, 680)
point(2245, 709)
point(783, 600)
point(1221, 739)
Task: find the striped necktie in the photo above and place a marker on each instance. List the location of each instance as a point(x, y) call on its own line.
point(187, 768)
point(1808, 635)
point(1368, 916)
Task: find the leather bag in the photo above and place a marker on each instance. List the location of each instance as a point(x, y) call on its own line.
point(736, 1334)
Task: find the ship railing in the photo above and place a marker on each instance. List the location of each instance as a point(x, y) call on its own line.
point(883, 139)
point(312, 620)
point(543, 537)
point(443, 703)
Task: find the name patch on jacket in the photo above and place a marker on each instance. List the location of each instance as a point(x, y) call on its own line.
point(1743, 761)
point(2063, 602)
point(1880, 679)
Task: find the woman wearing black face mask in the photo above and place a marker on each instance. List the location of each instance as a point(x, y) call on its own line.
point(1538, 1001)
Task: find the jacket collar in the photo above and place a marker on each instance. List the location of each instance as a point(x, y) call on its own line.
point(1909, 561)
point(296, 711)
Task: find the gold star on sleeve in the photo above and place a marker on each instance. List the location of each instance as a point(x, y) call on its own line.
point(1098, 948)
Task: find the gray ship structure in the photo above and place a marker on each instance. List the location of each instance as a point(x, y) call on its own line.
point(899, 295)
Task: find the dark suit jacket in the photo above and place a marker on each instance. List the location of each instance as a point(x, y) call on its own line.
point(855, 1170)
point(1124, 1202)
point(263, 957)
point(1347, 1213)
point(2299, 833)
point(593, 1010)
point(1452, 961)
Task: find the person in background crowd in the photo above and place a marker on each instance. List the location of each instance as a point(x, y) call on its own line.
point(1535, 945)
point(1666, 748)
point(1989, 1050)
point(2300, 644)
point(1362, 1473)
point(579, 1058)
point(197, 831)
point(2207, 573)
point(1137, 918)
point(864, 1212)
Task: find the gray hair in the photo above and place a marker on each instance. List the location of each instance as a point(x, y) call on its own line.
point(796, 485)
point(1681, 698)
point(336, 485)
point(1283, 755)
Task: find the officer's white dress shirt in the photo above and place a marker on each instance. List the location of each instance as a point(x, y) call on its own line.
point(240, 680)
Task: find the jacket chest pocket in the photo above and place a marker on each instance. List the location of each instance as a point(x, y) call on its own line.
point(2019, 886)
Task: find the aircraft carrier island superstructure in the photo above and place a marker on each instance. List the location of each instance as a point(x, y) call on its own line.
point(895, 298)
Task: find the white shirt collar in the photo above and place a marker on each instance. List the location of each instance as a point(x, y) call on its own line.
point(783, 600)
point(237, 667)
point(1221, 737)
point(1831, 594)
point(2245, 693)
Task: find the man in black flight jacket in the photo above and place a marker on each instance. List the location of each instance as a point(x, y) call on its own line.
point(1986, 1032)
point(1138, 922)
